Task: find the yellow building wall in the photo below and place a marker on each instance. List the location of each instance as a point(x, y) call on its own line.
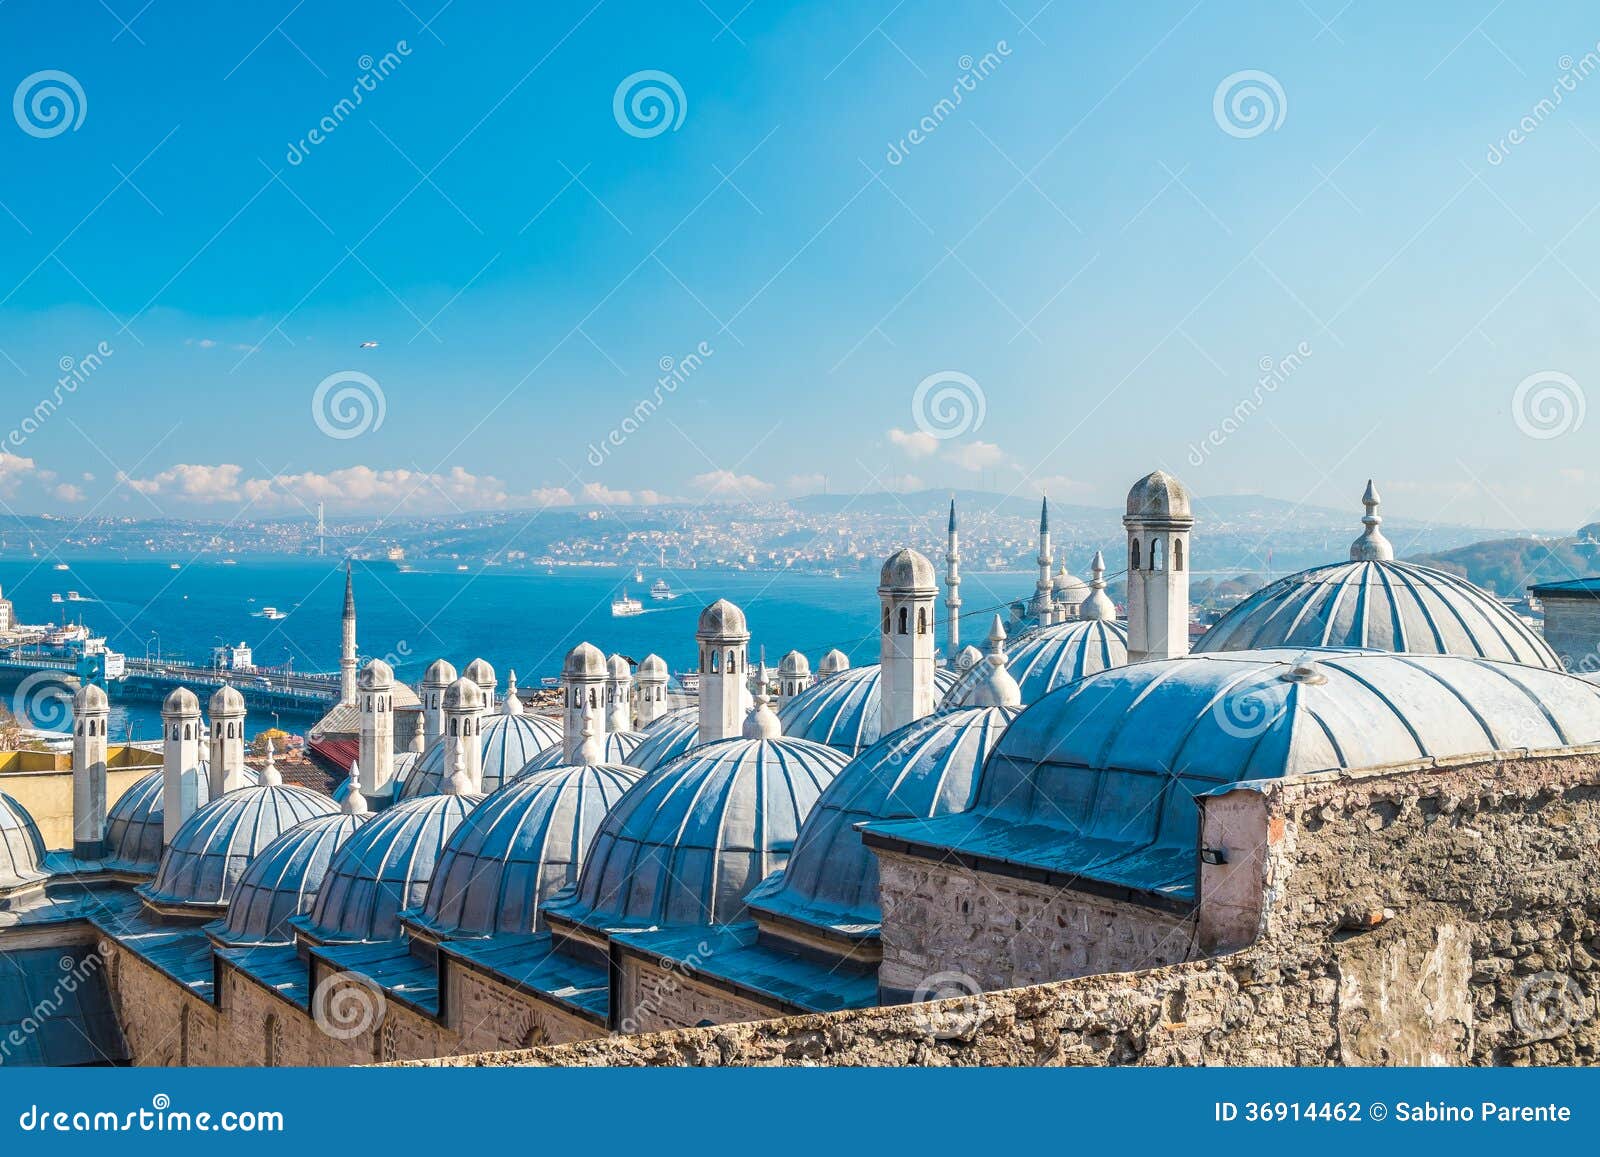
point(41, 782)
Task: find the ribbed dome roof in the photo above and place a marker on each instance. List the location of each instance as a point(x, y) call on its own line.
point(214, 846)
point(687, 842)
point(652, 666)
point(480, 672)
point(226, 700)
point(722, 620)
point(617, 668)
point(615, 747)
point(283, 880)
point(667, 738)
point(927, 768)
point(794, 665)
point(92, 697)
point(385, 868)
point(584, 662)
point(1068, 588)
point(180, 701)
point(135, 824)
point(519, 847)
point(463, 695)
point(907, 570)
point(833, 662)
point(1049, 657)
point(21, 846)
point(1101, 776)
point(376, 676)
point(1158, 495)
point(1383, 605)
point(440, 673)
point(507, 743)
point(842, 710)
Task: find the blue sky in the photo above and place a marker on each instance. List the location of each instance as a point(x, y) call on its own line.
point(1103, 255)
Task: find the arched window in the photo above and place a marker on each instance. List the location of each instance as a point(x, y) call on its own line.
point(1133, 556)
point(886, 618)
point(716, 662)
point(733, 662)
point(594, 697)
point(1177, 554)
point(383, 704)
point(369, 702)
point(455, 726)
point(903, 615)
point(187, 732)
point(922, 620)
point(1155, 555)
point(80, 728)
point(272, 1046)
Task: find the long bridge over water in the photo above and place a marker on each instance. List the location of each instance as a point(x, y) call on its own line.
point(151, 681)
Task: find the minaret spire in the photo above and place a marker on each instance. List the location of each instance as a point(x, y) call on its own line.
point(1041, 594)
point(347, 641)
point(952, 586)
point(1372, 546)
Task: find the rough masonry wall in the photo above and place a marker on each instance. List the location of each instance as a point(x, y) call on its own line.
point(1572, 628)
point(487, 1015)
point(652, 998)
point(1443, 915)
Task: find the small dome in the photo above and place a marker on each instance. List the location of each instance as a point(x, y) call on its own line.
point(652, 668)
point(214, 846)
point(384, 869)
point(832, 663)
point(667, 738)
point(967, 658)
point(1068, 588)
point(519, 847)
point(927, 768)
point(506, 744)
point(794, 665)
point(180, 702)
point(463, 695)
point(91, 698)
point(1049, 657)
point(617, 668)
point(616, 747)
point(135, 825)
point(722, 620)
point(227, 700)
point(687, 842)
point(1159, 496)
point(907, 570)
point(842, 711)
point(376, 676)
point(21, 846)
point(480, 673)
point(584, 662)
point(283, 880)
point(440, 673)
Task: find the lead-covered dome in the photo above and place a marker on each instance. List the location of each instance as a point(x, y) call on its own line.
point(135, 825)
point(377, 675)
point(1045, 658)
point(506, 743)
point(926, 768)
point(615, 747)
point(463, 695)
point(1159, 496)
point(283, 880)
point(687, 842)
point(843, 710)
point(907, 570)
point(667, 738)
point(180, 701)
point(440, 673)
point(722, 620)
point(518, 848)
point(215, 845)
point(21, 846)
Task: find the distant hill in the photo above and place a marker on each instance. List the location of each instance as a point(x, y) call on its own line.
point(1508, 566)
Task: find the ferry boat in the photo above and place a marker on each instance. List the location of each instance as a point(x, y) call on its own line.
point(638, 575)
point(273, 613)
point(61, 566)
point(56, 597)
point(623, 606)
point(660, 590)
point(174, 566)
point(75, 597)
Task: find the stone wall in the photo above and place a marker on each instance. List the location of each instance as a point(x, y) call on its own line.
point(1572, 628)
point(651, 998)
point(488, 1014)
point(1421, 915)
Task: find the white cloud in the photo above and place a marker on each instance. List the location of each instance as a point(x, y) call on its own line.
point(976, 456)
point(914, 443)
point(188, 483)
point(1060, 486)
point(13, 468)
point(67, 492)
point(801, 484)
point(903, 483)
point(726, 486)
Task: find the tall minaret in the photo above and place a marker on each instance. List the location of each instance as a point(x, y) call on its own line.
point(1098, 605)
point(619, 694)
point(90, 713)
point(583, 683)
point(652, 689)
point(1158, 521)
point(463, 723)
point(952, 588)
point(907, 591)
point(1372, 546)
point(347, 642)
point(180, 761)
point(376, 692)
point(1042, 603)
point(724, 642)
point(227, 741)
point(439, 675)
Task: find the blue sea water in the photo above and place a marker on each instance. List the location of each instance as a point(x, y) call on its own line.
point(516, 619)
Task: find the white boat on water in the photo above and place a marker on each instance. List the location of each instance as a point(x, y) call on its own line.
point(624, 605)
point(638, 575)
point(660, 590)
point(273, 613)
point(61, 566)
point(56, 597)
point(75, 597)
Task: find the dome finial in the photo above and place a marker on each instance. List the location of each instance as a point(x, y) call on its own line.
point(1098, 605)
point(459, 783)
point(1372, 546)
point(270, 776)
point(355, 804)
point(511, 705)
point(998, 688)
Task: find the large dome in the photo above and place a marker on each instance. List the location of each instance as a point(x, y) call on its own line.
point(1382, 605)
point(518, 848)
point(214, 846)
point(927, 768)
point(507, 743)
point(21, 846)
point(667, 738)
point(283, 880)
point(615, 747)
point(1049, 657)
point(687, 842)
point(1100, 778)
point(385, 868)
point(842, 710)
point(135, 832)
